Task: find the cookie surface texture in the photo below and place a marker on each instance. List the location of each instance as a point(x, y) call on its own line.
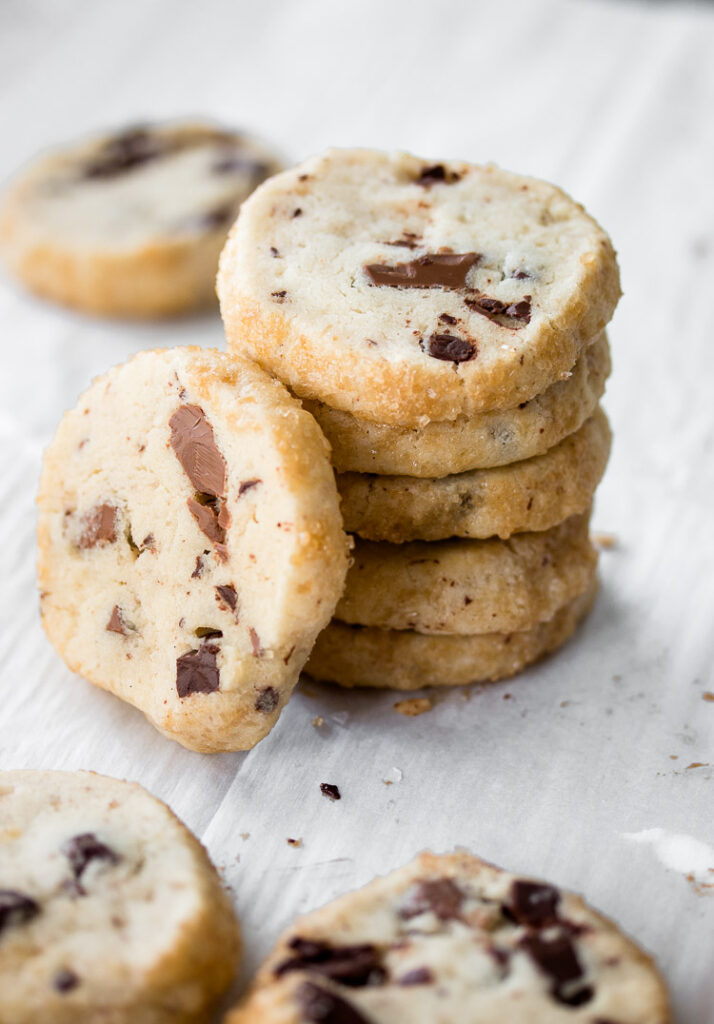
point(498, 438)
point(468, 586)
point(399, 291)
point(451, 938)
point(131, 224)
point(396, 659)
point(191, 545)
point(110, 910)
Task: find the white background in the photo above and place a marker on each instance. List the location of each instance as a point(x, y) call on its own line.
point(613, 101)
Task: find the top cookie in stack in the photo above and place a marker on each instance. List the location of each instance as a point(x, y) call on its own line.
point(445, 324)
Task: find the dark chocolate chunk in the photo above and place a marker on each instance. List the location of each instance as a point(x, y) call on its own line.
point(447, 318)
point(520, 310)
point(16, 908)
point(255, 642)
point(81, 850)
point(451, 348)
point(279, 296)
point(148, 543)
point(247, 484)
point(208, 518)
point(267, 700)
point(418, 976)
point(520, 275)
point(438, 174)
point(331, 792)
point(532, 903)
point(195, 447)
point(318, 1006)
point(99, 526)
point(198, 571)
point(435, 270)
point(556, 958)
point(117, 623)
point(274, 253)
point(441, 896)
point(124, 152)
point(494, 308)
point(197, 671)
point(228, 594)
point(297, 212)
point(355, 966)
point(65, 980)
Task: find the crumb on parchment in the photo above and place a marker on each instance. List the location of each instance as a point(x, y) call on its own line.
point(413, 706)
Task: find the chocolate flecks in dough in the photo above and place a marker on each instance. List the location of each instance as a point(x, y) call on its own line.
point(118, 624)
point(197, 671)
point(279, 296)
point(267, 700)
point(437, 174)
point(275, 253)
point(255, 642)
point(355, 966)
point(99, 526)
point(497, 311)
point(81, 850)
point(246, 485)
point(148, 543)
point(318, 1006)
point(556, 958)
point(520, 275)
point(297, 212)
point(227, 594)
point(434, 270)
point(124, 152)
point(16, 908)
point(447, 318)
point(440, 896)
point(195, 447)
point(451, 348)
point(532, 903)
point(409, 240)
point(207, 632)
point(65, 980)
point(417, 976)
point(200, 566)
point(330, 791)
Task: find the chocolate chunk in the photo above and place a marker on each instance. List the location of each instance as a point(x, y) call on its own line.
point(207, 632)
point(117, 622)
point(124, 152)
point(494, 308)
point(297, 212)
point(148, 543)
point(255, 642)
point(331, 792)
point(409, 240)
point(247, 484)
point(532, 903)
point(557, 959)
point(195, 447)
point(65, 980)
point(197, 671)
point(16, 908)
point(440, 896)
point(207, 517)
point(81, 850)
point(520, 310)
point(279, 296)
point(274, 253)
point(520, 275)
point(437, 174)
point(451, 348)
point(355, 966)
point(99, 526)
point(447, 318)
point(267, 700)
point(418, 976)
point(435, 270)
point(228, 594)
point(198, 571)
point(319, 1006)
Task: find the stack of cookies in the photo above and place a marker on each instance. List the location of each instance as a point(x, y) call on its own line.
point(445, 325)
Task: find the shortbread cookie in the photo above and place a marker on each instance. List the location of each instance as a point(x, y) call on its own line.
point(393, 659)
point(191, 546)
point(131, 224)
point(532, 495)
point(110, 910)
point(399, 291)
point(469, 442)
point(454, 940)
point(468, 586)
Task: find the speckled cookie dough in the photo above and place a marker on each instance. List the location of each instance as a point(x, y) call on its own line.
point(456, 940)
point(401, 290)
point(110, 910)
point(131, 224)
point(468, 586)
point(191, 545)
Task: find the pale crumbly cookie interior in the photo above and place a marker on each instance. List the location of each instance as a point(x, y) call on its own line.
point(399, 291)
point(191, 546)
point(451, 938)
point(109, 908)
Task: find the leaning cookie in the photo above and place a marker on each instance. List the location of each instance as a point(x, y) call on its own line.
point(131, 224)
point(110, 910)
point(481, 441)
point(399, 290)
point(536, 494)
point(191, 545)
point(395, 659)
point(454, 940)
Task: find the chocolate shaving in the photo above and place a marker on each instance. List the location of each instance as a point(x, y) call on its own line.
point(267, 700)
point(197, 671)
point(255, 642)
point(355, 966)
point(451, 348)
point(16, 908)
point(440, 896)
point(195, 447)
point(247, 484)
point(318, 1006)
point(99, 526)
point(434, 270)
point(228, 595)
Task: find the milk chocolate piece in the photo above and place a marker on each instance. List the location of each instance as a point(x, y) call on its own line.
point(435, 270)
point(228, 595)
point(195, 447)
point(197, 671)
point(556, 958)
point(99, 526)
point(208, 519)
point(451, 348)
point(440, 896)
point(117, 622)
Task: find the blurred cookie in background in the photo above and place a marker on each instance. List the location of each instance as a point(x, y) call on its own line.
point(131, 224)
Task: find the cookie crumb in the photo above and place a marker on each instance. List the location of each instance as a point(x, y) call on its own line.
point(707, 695)
point(413, 706)
point(674, 757)
point(564, 703)
point(318, 722)
point(697, 764)
point(604, 541)
point(330, 791)
point(294, 842)
point(245, 835)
